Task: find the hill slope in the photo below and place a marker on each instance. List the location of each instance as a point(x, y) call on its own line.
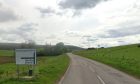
point(125, 58)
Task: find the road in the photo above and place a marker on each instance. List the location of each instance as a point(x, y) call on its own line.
point(86, 71)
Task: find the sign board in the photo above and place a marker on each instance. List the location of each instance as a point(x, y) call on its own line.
point(25, 56)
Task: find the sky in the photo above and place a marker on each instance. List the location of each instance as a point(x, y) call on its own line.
point(84, 23)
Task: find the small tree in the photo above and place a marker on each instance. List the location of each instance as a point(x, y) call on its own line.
point(31, 44)
point(53, 50)
point(60, 48)
point(28, 44)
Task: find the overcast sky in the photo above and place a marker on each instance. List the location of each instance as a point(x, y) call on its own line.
point(85, 23)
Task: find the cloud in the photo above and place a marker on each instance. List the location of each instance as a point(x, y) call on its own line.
point(123, 31)
point(78, 4)
point(51, 37)
point(0, 4)
point(6, 14)
point(73, 34)
point(100, 21)
point(47, 11)
point(23, 32)
point(27, 27)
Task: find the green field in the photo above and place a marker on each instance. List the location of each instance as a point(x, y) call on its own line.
point(47, 71)
point(6, 52)
point(124, 58)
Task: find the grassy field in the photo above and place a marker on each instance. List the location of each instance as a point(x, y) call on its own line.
point(6, 52)
point(124, 58)
point(47, 71)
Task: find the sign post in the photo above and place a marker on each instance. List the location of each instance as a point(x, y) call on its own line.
point(25, 57)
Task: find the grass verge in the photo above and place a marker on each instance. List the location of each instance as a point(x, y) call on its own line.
point(124, 58)
point(47, 71)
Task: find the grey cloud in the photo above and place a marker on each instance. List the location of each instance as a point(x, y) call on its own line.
point(60, 13)
point(121, 41)
point(79, 4)
point(0, 4)
point(136, 5)
point(24, 32)
point(49, 11)
point(89, 39)
point(9, 37)
point(73, 34)
point(27, 27)
point(92, 39)
point(45, 11)
point(115, 33)
point(76, 13)
point(51, 37)
point(87, 36)
point(7, 15)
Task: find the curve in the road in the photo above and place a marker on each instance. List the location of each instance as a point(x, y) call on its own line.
point(86, 71)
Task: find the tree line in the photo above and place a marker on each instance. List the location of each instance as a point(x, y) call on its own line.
point(53, 50)
point(42, 50)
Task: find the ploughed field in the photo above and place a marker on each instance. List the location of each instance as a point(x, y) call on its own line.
point(6, 59)
point(6, 56)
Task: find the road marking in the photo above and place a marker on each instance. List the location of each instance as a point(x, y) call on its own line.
point(91, 69)
point(100, 79)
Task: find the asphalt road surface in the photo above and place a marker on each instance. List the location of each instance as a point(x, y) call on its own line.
point(86, 71)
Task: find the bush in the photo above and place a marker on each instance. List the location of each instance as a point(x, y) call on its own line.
point(138, 45)
point(54, 50)
point(40, 53)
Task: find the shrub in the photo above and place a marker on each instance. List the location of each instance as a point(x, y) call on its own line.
point(138, 45)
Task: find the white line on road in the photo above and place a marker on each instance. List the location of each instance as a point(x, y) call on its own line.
point(100, 79)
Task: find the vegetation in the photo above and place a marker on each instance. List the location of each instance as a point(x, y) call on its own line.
point(125, 58)
point(54, 50)
point(48, 71)
point(12, 46)
point(58, 49)
point(7, 49)
point(6, 52)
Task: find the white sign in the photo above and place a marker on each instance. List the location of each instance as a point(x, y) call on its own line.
point(25, 56)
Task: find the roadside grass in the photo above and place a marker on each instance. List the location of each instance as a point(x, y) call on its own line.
point(124, 58)
point(6, 52)
point(48, 70)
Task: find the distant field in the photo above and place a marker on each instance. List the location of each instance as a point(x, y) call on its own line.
point(6, 52)
point(48, 71)
point(125, 58)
